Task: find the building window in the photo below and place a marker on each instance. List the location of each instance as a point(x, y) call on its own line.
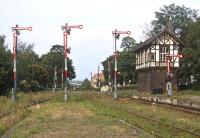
point(164, 50)
point(151, 57)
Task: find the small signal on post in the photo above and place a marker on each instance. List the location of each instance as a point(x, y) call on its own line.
point(66, 74)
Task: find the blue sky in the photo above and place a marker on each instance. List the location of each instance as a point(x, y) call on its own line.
point(99, 18)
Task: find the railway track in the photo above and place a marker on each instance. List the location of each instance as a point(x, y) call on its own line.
point(174, 107)
point(163, 124)
point(160, 123)
point(176, 130)
point(185, 109)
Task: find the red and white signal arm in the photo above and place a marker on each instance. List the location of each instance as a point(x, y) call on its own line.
point(178, 55)
point(121, 32)
point(22, 28)
point(74, 26)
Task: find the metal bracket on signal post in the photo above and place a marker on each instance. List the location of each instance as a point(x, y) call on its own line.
point(67, 28)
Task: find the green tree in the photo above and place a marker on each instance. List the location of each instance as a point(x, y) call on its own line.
point(55, 58)
point(25, 58)
point(37, 72)
point(191, 63)
point(127, 60)
point(128, 43)
point(127, 67)
point(126, 63)
point(108, 69)
point(85, 85)
point(5, 68)
point(180, 15)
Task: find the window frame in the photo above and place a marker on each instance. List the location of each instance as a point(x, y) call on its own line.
point(163, 51)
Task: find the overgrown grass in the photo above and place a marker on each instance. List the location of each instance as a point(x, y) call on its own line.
point(23, 99)
point(6, 104)
point(73, 119)
point(188, 92)
point(127, 92)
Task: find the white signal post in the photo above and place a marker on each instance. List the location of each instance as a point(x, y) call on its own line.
point(16, 31)
point(169, 73)
point(116, 35)
point(66, 31)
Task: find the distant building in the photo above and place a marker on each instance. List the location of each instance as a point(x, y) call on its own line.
point(151, 61)
point(95, 82)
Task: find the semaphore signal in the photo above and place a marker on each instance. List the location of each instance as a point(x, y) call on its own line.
point(116, 35)
point(66, 31)
point(16, 31)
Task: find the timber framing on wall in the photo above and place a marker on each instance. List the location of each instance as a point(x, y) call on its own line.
point(151, 60)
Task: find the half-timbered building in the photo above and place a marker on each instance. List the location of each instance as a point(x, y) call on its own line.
point(151, 61)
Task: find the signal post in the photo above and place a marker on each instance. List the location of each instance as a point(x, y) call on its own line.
point(169, 72)
point(116, 35)
point(66, 31)
point(16, 31)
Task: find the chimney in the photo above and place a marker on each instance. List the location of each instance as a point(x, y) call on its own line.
point(170, 27)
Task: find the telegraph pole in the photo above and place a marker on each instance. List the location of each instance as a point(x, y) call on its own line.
point(109, 78)
point(116, 35)
point(98, 81)
point(55, 77)
point(91, 78)
point(62, 78)
point(16, 31)
point(66, 31)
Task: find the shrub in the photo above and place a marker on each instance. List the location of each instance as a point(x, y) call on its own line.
point(86, 85)
point(34, 86)
point(2, 130)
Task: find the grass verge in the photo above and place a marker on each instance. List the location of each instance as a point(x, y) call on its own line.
point(6, 104)
point(104, 105)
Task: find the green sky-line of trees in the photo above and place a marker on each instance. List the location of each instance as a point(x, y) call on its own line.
point(33, 72)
